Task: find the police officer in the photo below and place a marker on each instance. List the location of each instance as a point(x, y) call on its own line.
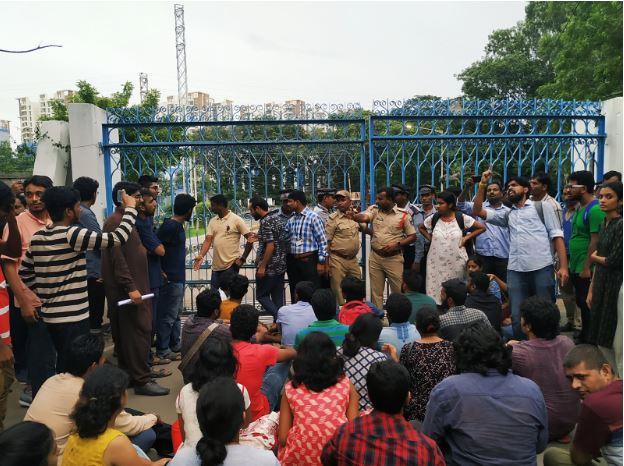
point(343, 243)
point(392, 229)
point(325, 203)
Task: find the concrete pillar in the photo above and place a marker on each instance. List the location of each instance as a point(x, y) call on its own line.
point(87, 158)
point(612, 110)
point(52, 157)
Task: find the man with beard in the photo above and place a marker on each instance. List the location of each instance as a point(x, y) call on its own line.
point(423, 211)
point(171, 300)
point(586, 223)
point(493, 244)
point(540, 188)
point(530, 270)
point(55, 265)
point(270, 256)
point(402, 199)
point(223, 235)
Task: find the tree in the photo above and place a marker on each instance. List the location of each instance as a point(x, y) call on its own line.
point(586, 53)
point(22, 160)
point(569, 50)
point(88, 94)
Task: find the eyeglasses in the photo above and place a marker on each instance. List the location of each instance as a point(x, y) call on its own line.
point(570, 186)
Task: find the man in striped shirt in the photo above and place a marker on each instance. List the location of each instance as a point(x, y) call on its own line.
point(55, 265)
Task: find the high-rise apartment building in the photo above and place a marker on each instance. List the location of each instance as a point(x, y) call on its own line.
point(5, 131)
point(31, 110)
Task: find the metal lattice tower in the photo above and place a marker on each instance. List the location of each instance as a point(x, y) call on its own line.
point(143, 87)
point(181, 54)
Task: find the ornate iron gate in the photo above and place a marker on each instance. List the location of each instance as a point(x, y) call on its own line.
point(246, 150)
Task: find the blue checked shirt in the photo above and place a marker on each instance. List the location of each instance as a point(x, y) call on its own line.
point(306, 233)
point(494, 241)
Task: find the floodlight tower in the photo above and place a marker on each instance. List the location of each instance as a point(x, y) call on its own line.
point(143, 86)
point(178, 11)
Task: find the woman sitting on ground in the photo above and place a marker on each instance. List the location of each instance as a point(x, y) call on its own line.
point(316, 401)
point(359, 353)
point(102, 398)
point(428, 360)
point(216, 359)
point(221, 414)
point(28, 443)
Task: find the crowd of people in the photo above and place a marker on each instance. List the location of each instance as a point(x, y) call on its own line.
point(458, 358)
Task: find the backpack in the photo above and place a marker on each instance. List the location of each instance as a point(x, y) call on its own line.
point(588, 207)
point(459, 218)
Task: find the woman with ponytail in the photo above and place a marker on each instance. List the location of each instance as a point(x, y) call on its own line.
point(221, 414)
point(428, 360)
point(359, 353)
point(317, 400)
point(95, 441)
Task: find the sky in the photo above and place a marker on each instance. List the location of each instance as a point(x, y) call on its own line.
point(249, 52)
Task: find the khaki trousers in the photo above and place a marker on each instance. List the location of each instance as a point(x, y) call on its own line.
point(556, 456)
point(340, 268)
point(380, 269)
point(7, 376)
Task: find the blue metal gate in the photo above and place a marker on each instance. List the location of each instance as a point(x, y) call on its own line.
point(245, 150)
point(440, 142)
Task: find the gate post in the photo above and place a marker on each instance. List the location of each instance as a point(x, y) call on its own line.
point(89, 156)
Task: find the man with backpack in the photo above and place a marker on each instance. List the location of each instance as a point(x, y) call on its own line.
point(533, 226)
point(586, 222)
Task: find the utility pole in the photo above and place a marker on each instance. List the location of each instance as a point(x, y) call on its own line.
point(143, 87)
point(188, 167)
point(181, 54)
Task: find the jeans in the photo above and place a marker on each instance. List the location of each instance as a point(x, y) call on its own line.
point(273, 382)
point(495, 265)
point(581, 288)
point(522, 285)
point(19, 340)
point(170, 304)
point(215, 276)
point(144, 440)
point(270, 293)
point(41, 355)
point(95, 289)
point(62, 335)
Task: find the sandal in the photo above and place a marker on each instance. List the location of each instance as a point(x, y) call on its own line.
point(158, 361)
point(159, 373)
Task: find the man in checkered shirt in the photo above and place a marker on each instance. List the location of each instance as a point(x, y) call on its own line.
point(457, 316)
point(307, 256)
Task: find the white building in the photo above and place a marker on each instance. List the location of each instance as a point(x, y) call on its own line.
point(5, 131)
point(31, 110)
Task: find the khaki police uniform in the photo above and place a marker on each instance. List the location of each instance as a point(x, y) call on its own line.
point(343, 235)
point(388, 228)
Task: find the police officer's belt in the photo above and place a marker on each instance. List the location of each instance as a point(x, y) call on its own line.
point(344, 256)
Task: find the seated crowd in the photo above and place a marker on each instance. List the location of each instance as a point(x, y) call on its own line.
point(421, 379)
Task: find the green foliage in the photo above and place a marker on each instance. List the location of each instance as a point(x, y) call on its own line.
point(88, 94)
point(568, 50)
point(22, 160)
point(151, 100)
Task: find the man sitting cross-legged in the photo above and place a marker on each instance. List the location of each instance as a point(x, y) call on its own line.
point(382, 437)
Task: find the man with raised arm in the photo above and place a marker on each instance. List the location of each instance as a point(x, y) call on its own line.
point(533, 226)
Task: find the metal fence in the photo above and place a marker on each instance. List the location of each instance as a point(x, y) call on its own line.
point(245, 150)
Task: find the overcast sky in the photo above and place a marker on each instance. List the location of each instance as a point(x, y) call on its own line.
point(249, 52)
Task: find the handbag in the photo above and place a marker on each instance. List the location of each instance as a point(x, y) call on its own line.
point(196, 345)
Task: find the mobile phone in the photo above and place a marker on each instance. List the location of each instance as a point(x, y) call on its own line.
point(476, 178)
point(120, 195)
